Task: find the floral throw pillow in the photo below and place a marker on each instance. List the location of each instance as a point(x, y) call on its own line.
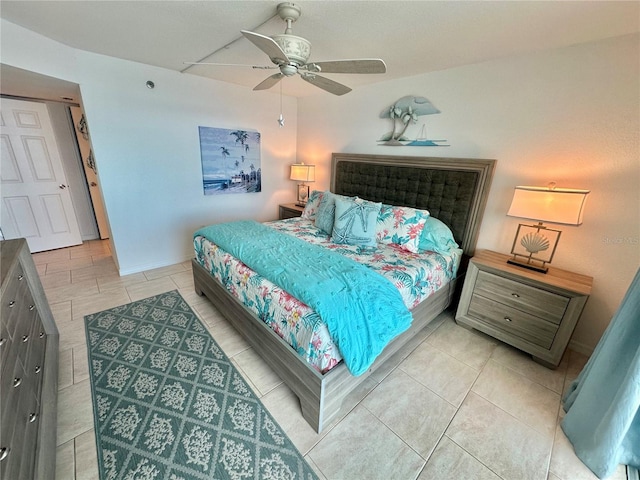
point(311, 208)
point(355, 222)
point(402, 226)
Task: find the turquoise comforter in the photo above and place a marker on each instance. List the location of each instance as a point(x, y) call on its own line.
point(363, 310)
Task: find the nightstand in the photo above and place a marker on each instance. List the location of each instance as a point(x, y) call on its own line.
point(290, 210)
point(534, 312)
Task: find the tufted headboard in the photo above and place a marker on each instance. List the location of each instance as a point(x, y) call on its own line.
point(453, 190)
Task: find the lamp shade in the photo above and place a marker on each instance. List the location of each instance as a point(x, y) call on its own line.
point(555, 205)
point(302, 172)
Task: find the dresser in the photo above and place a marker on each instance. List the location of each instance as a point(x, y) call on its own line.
point(534, 312)
point(290, 210)
point(29, 369)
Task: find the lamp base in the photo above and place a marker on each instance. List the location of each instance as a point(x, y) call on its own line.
point(530, 266)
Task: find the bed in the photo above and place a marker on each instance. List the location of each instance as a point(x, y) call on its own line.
point(452, 190)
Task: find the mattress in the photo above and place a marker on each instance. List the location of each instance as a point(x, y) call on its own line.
point(416, 276)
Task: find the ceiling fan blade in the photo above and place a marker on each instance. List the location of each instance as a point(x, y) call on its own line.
point(269, 82)
point(257, 67)
point(364, 65)
point(267, 45)
point(325, 84)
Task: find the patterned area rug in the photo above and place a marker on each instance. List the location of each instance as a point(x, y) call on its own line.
point(168, 404)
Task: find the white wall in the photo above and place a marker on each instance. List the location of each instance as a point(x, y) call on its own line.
point(569, 115)
point(146, 145)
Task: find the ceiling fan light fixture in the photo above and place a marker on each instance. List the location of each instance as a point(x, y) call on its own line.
point(297, 49)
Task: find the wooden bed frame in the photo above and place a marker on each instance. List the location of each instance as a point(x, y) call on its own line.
point(453, 190)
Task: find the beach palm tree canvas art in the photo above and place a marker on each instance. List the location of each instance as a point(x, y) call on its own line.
point(230, 161)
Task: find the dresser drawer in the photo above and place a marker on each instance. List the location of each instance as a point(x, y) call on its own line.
point(20, 463)
point(513, 321)
point(35, 357)
point(5, 450)
point(31, 418)
point(14, 279)
point(536, 301)
point(5, 346)
point(13, 387)
point(15, 295)
point(23, 337)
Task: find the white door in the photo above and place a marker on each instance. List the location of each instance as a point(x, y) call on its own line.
point(36, 203)
point(90, 169)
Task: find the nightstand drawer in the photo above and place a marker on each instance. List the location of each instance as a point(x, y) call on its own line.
point(286, 213)
point(513, 321)
point(536, 301)
point(290, 210)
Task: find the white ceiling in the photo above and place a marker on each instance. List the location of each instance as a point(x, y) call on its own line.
point(412, 37)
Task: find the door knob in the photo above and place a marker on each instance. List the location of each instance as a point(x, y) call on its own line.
point(62, 186)
point(93, 184)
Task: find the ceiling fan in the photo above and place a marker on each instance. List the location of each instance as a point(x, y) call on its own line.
point(290, 54)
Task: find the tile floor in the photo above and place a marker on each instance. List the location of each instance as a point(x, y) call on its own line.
point(460, 405)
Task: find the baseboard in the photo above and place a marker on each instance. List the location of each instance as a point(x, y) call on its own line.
point(151, 266)
point(582, 348)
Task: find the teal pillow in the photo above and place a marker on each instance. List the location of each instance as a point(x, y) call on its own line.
point(326, 212)
point(355, 222)
point(437, 237)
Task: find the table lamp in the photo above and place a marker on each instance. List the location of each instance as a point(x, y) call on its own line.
point(534, 245)
point(303, 173)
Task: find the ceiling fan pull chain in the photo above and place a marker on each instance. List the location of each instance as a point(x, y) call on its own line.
point(281, 118)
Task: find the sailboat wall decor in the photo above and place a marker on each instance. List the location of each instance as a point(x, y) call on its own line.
point(403, 113)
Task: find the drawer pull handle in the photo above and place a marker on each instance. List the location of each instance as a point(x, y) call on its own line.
point(31, 307)
point(38, 369)
point(4, 453)
point(33, 417)
point(3, 341)
point(507, 319)
point(16, 382)
point(20, 277)
point(41, 335)
point(515, 295)
point(25, 338)
point(12, 303)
